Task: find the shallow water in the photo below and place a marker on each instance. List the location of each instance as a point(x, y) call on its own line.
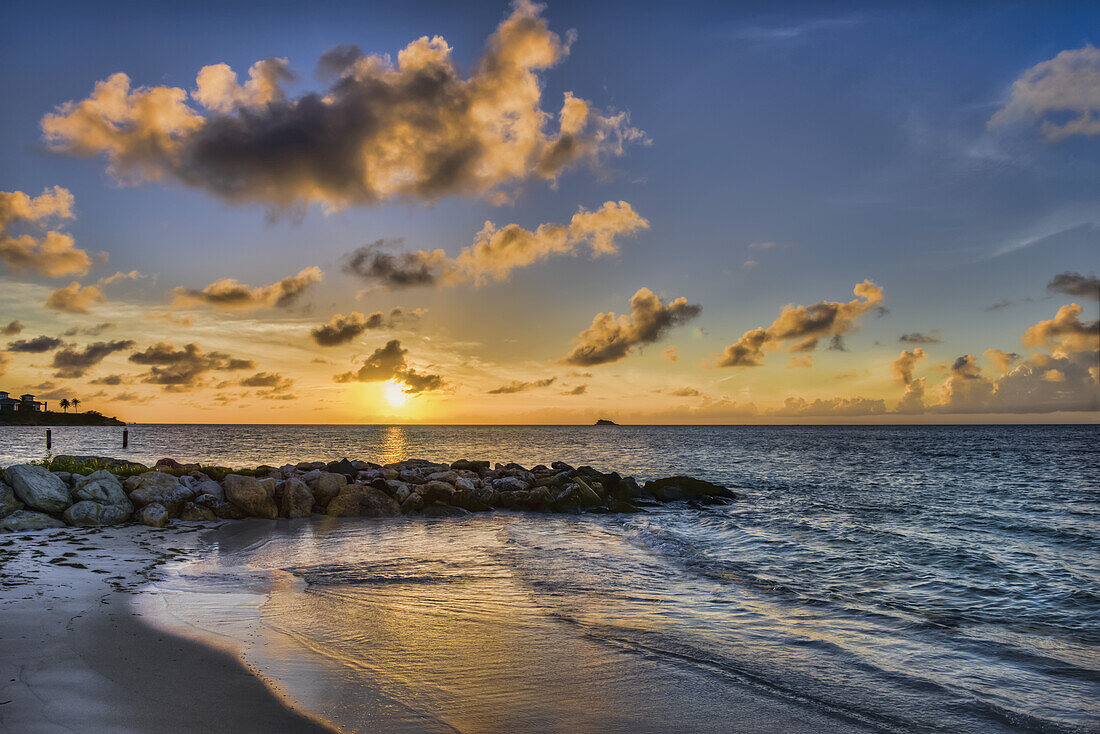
point(901, 578)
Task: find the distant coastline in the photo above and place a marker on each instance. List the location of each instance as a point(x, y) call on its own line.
point(49, 418)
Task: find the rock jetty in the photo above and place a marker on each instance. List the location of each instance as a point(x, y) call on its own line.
point(35, 497)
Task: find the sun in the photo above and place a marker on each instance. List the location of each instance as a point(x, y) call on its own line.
point(394, 393)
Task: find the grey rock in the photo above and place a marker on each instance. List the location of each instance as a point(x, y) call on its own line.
point(438, 509)
point(87, 512)
point(297, 500)
point(38, 488)
point(510, 484)
point(154, 514)
point(252, 496)
point(467, 484)
point(220, 507)
point(325, 486)
point(671, 489)
point(436, 492)
point(193, 512)
point(160, 488)
point(412, 504)
point(29, 520)
point(358, 500)
point(210, 487)
point(102, 487)
point(8, 502)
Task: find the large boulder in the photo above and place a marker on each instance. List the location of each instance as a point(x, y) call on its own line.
point(29, 520)
point(359, 500)
point(325, 486)
point(296, 500)
point(38, 488)
point(161, 488)
point(435, 491)
point(254, 497)
point(102, 487)
point(8, 502)
point(87, 512)
point(210, 487)
point(220, 507)
point(154, 514)
point(192, 512)
point(438, 509)
point(671, 489)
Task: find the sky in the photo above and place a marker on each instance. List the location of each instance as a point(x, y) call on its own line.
point(693, 212)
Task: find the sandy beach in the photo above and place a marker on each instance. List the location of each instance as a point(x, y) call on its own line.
point(79, 658)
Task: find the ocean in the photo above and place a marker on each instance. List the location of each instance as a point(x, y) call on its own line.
point(916, 578)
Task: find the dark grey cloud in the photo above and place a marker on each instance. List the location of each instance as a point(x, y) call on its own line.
point(342, 329)
point(179, 370)
point(37, 345)
point(72, 362)
point(917, 338)
point(1075, 284)
point(611, 337)
point(518, 386)
point(89, 330)
point(388, 363)
point(373, 263)
point(12, 329)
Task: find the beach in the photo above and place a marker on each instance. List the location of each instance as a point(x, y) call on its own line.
point(78, 657)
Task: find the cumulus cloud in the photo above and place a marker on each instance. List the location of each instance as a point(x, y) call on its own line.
point(1062, 94)
point(855, 406)
point(90, 330)
point(273, 384)
point(611, 337)
point(74, 299)
point(388, 363)
point(902, 368)
point(132, 275)
point(800, 362)
point(229, 295)
point(804, 326)
point(342, 329)
point(1065, 332)
point(1001, 360)
point(1075, 284)
point(918, 338)
point(518, 386)
point(496, 251)
point(72, 362)
point(686, 392)
point(180, 370)
point(110, 380)
point(1042, 384)
point(37, 345)
point(52, 254)
point(413, 129)
point(12, 329)
point(670, 354)
point(578, 390)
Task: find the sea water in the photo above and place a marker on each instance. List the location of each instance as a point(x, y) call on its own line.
point(882, 578)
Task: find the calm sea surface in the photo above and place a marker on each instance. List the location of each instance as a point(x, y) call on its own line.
point(890, 578)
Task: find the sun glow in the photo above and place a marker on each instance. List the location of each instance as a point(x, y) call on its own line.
point(394, 393)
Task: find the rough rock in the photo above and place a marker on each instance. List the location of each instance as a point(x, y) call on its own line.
point(671, 489)
point(325, 486)
point(8, 502)
point(438, 509)
point(163, 489)
point(252, 496)
point(358, 500)
point(510, 484)
point(436, 492)
point(193, 512)
point(29, 520)
point(37, 488)
point(220, 507)
point(465, 483)
point(154, 514)
point(469, 499)
point(87, 512)
point(296, 500)
point(343, 466)
point(210, 487)
point(412, 504)
point(102, 487)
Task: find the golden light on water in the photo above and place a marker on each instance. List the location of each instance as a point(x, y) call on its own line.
point(394, 394)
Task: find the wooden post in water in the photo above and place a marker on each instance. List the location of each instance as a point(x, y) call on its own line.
point(49, 439)
point(125, 437)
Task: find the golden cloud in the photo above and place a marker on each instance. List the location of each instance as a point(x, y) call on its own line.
point(229, 295)
point(611, 337)
point(74, 299)
point(52, 254)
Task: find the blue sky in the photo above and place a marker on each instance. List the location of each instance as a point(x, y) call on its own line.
point(854, 137)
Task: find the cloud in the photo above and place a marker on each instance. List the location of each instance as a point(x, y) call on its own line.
point(918, 338)
point(761, 245)
point(902, 367)
point(37, 345)
point(517, 386)
point(1065, 332)
point(670, 354)
point(1044, 383)
point(1000, 359)
point(90, 330)
point(1075, 284)
point(52, 254)
point(854, 406)
point(273, 382)
point(72, 362)
point(800, 362)
point(578, 390)
point(1062, 94)
point(229, 295)
point(132, 275)
point(12, 329)
point(411, 130)
point(686, 392)
point(74, 299)
point(129, 397)
point(3, 364)
point(342, 329)
point(110, 380)
point(611, 337)
point(496, 251)
point(750, 264)
point(179, 370)
point(805, 326)
point(999, 305)
point(388, 363)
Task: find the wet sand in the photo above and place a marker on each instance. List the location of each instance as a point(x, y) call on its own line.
point(78, 657)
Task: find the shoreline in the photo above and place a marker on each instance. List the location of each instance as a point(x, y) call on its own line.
point(80, 657)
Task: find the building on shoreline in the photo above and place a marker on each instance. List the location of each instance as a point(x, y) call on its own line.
point(24, 403)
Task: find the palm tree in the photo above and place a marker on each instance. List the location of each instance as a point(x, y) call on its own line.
point(75, 402)
point(64, 404)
